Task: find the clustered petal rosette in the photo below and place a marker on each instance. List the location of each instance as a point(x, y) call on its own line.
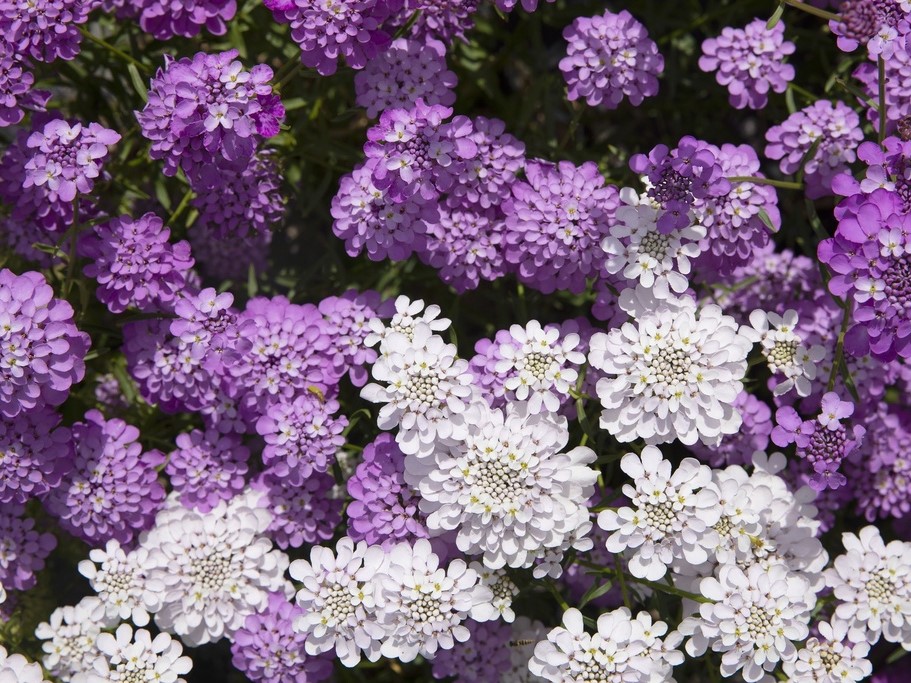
point(269, 650)
point(70, 633)
point(328, 30)
point(304, 513)
point(443, 20)
point(750, 62)
point(112, 491)
point(16, 91)
point(408, 70)
point(187, 18)
point(23, 548)
point(610, 57)
point(134, 263)
point(880, 25)
point(870, 256)
point(41, 351)
point(208, 113)
point(35, 453)
point(506, 488)
point(834, 129)
point(65, 159)
point(122, 582)
point(555, 222)
point(884, 469)
point(207, 468)
point(624, 648)
point(125, 655)
point(679, 177)
point(830, 657)
point(348, 317)
point(17, 669)
point(674, 372)
point(897, 87)
point(44, 30)
point(784, 350)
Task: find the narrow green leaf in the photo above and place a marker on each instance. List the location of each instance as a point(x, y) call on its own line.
point(764, 217)
point(775, 18)
point(251, 281)
point(138, 84)
point(595, 592)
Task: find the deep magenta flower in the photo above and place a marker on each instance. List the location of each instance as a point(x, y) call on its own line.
point(555, 222)
point(750, 62)
point(880, 25)
point(113, 490)
point(443, 20)
point(207, 467)
point(45, 30)
point(610, 57)
point(165, 19)
point(134, 263)
point(41, 351)
point(23, 549)
point(35, 453)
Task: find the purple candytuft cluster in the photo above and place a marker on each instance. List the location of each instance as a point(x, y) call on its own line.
point(348, 317)
point(35, 453)
point(610, 58)
point(485, 656)
point(750, 62)
point(164, 20)
point(880, 25)
point(23, 548)
point(16, 91)
point(207, 467)
point(44, 30)
point(897, 87)
point(134, 263)
point(113, 490)
point(443, 20)
point(679, 177)
point(305, 512)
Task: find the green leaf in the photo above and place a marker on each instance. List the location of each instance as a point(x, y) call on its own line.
point(138, 84)
point(775, 18)
point(595, 592)
point(764, 217)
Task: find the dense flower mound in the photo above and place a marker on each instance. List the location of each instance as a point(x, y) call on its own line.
point(898, 86)
point(784, 351)
point(65, 159)
point(624, 648)
point(749, 62)
point(384, 509)
point(833, 128)
point(134, 263)
point(610, 58)
point(830, 657)
point(207, 468)
point(880, 25)
point(164, 20)
point(466, 247)
point(680, 177)
point(883, 468)
point(17, 669)
point(495, 485)
point(206, 113)
point(23, 548)
point(555, 222)
point(348, 317)
point(121, 580)
point(44, 30)
point(70, 635)
point(35, 453)
point(442, 20)
point(674, 372)
point(268, 649)
point(113, 490)
point(244, 204)
point(485, 656)
point(41, 351)
point(125, 655)
point(305, 513)
point(16, 91)
point(330, 30)
point(408, 70)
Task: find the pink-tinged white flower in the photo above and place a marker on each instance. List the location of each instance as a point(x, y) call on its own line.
point(217, 568)
point(659, 261)
point(132, 658)
point(673, 372)
point(70, 635)
point(502, 587)
point(784, 350)
point(830, 659)
point(17, 669)
point(872, 583)
point(757, 616)
point(671, 511)
point(426, 390)
point(544, 365)
point(506, 487)
point(424, 604)
point(122, 583)
point(340, 597)
point(623, 649)
point(408, 314)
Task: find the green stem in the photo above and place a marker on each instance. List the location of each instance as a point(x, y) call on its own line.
point(184, 202)
point(654, 585)
point(881, 64)
point(783, 184)
point(803, 91)
point(115, 51)
point(623, 589)
point(840, 345)
point(288, 76)
point(815, 11)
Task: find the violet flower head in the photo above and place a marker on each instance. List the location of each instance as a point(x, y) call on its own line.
point(897, 88)
point(16, 91)
point(679, 177)
point(880, 25)
point(610, 57)
point(66, 158)
point(385, 508)
point(443, 20)
point(41, 351)
point(555, 222)
point(134, 263)
point(329, 31)
point(113, 489)
point(406, 71)
point(187, 18)
point(301, 513)
point(749, 62)
point(484, 656)
point(44, 30)
point(35, 453)
point(204, 115)
point(833, 128)
point(302, 436)
point(348, 317)
point(207, 468)
point(267, 648)
point(371, 220)
point(882, 468)
point(206, 322)
point(23, 549)
point(244, 202)
point(418, 151)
